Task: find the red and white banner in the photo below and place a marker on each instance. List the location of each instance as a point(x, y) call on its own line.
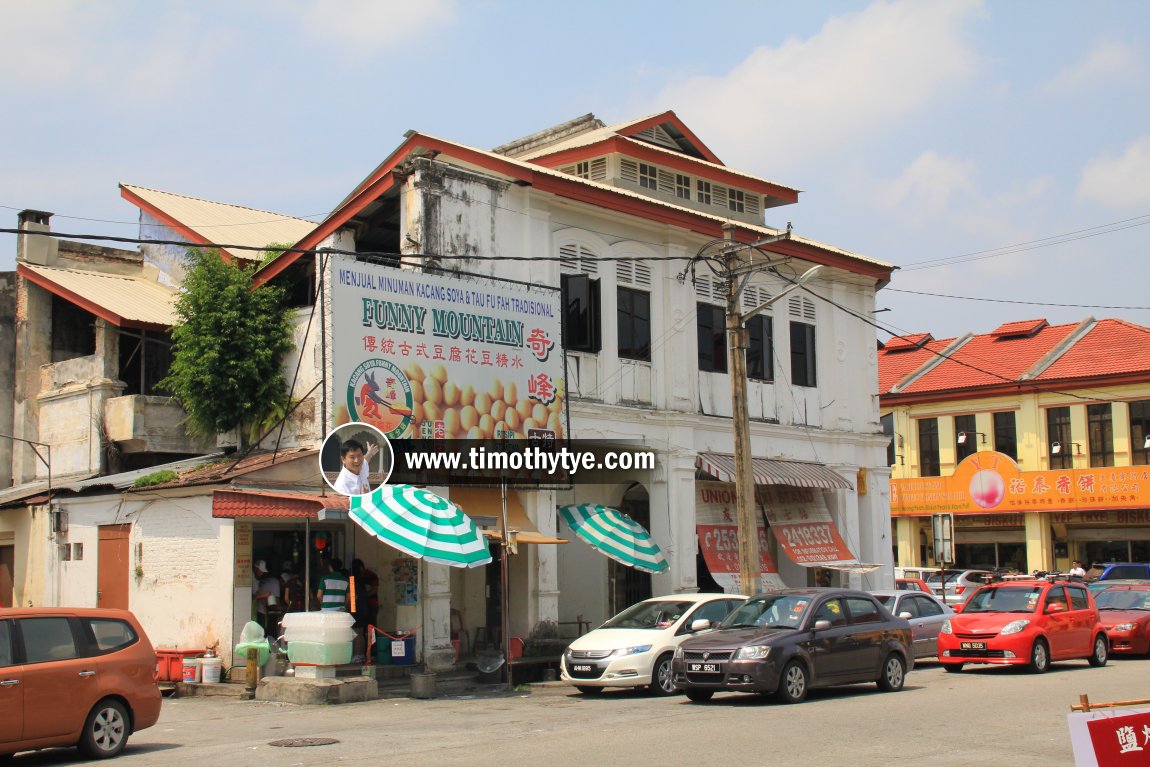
point(719, 537)
point(803, 526)
point(1110, 737)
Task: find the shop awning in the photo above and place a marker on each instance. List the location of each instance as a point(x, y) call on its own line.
point(274, 504)
point(484, 502)
point(805, 530)
point(774, 471)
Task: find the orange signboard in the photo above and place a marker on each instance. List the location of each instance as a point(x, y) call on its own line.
point(990, 482)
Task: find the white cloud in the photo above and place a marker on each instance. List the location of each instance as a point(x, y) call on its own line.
point(368, 26)
point(1119, 182)
point(1104, 64)
point(927, 185)
point(859, 75)
point(48, 42)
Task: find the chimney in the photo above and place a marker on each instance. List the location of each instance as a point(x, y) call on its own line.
point(35, 250)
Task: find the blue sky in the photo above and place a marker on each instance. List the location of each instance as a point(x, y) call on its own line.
point(918, 130)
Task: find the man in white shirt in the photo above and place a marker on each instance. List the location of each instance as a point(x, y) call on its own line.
point(1076, 572)
point(266, 592)
point(353, 477)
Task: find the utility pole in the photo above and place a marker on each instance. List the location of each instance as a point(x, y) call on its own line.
point(737, 273)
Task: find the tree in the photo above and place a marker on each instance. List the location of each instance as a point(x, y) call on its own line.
point(228, 349)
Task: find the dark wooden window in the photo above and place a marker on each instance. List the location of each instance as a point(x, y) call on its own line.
point(928, 461)
point(634, 315)
point(1100, 427)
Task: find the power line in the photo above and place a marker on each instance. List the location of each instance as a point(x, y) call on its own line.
point(276, 220)
point(1022, 247)
point(314, 251)
point(1009, 301)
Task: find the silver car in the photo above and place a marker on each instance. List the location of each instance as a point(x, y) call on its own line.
point(924, 612)
point(959, 584)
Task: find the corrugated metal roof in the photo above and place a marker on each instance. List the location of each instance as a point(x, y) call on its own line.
point(773, 471)
point(764, 230)
point(230, 224)
point(125, 298)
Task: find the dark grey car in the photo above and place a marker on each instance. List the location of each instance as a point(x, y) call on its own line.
point(791, 640)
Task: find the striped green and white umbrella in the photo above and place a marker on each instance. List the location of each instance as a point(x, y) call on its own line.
point(422, 524)
point(616, 535)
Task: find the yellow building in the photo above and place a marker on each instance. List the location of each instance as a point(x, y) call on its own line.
point(1035, 436)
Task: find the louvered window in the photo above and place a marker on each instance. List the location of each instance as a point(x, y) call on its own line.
point(598, 169)
point(754, 295)
point(802, 308)
point(708, 288)
point(656, 135)
point(634, 272)
point(629, 171)
point(736, 201)
point(666, 182)
point(648, 176)
point(682, 186)
point(704, 190)
point(719, 195)
point(576, 258)
point(753, 204)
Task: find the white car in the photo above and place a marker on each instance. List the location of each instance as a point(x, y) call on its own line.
point(634, 649)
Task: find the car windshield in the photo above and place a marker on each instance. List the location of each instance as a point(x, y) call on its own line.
point(773, 611)
point(1122, 599)
point(654, 614)
point(951, 576)
point(1004, 599)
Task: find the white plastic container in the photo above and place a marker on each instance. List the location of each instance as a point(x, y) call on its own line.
point(320, 653)
point(322, 635)
point(212, 667)
point(333, 618)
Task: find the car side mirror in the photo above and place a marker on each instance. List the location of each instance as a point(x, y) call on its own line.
point(700, 624)
point(822, 625)
point(1057, 607)
point(905, 615)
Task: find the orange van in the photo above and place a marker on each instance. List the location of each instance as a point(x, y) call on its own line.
point(74, 677)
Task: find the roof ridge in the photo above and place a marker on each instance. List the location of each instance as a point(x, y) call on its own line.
point(217, 202)
point(1059, 349)
point(937, 359)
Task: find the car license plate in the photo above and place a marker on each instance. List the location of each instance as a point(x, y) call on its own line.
point(581, 667)
point(703, 668)
point(972, 645)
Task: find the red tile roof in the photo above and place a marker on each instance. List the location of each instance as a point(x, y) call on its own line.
point(893, 367)
point(899, 343)
point(272, 503)
point(1111, 347)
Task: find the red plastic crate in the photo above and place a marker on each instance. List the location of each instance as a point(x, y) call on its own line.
point(170, 664)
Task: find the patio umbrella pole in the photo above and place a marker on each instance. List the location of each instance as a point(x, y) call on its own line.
point(505, 588)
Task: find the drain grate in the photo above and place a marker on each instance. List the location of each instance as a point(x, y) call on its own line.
point(301, 742)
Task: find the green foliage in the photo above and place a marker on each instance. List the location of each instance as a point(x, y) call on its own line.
point(156, 478)
point(272, 251)
point(228, 348)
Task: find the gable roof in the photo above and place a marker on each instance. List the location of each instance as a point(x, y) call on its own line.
point(1087, 352)
point(206, 222)
point(688, 142)
point(565, 185)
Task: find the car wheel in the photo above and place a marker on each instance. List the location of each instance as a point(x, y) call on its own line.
point(1101, 651)
point(662, 677)
point(1040, 657)
point(106, 730)
point(953, 668)
point(700, 696)
point(893, 673)
point(793, 683)
point(589, 690)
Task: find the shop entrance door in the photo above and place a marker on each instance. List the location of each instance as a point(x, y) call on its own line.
point(7, 571)
point(112, 558)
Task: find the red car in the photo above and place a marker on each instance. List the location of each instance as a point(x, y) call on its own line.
point(913, 584)
point(1126, 616)
point(74, 677)
point(1024, 623)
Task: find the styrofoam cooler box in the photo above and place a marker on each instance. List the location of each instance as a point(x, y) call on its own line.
point(329, 635)
point(320, 653)
point(320, 619)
